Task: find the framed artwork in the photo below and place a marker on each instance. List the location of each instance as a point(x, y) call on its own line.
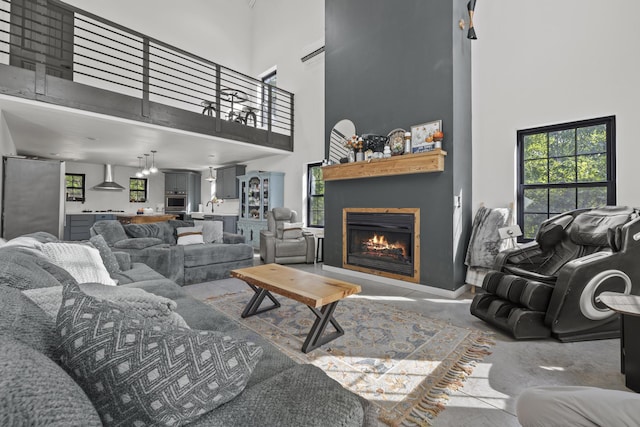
point(421, 136)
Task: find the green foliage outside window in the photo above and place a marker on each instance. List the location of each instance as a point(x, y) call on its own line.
point(137, 190)
point(315, 211)
point(564, 167)
point(74, 187)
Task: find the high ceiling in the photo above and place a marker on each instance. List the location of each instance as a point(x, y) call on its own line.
point(50, 131)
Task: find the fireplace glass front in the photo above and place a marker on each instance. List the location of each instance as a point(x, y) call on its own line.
point(381, 241)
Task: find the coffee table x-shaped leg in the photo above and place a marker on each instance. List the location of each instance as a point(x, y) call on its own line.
point(315, 337)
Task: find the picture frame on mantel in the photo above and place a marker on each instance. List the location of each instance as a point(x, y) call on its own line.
point(419, 134)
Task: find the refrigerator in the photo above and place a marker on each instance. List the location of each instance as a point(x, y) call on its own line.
point(33, 196)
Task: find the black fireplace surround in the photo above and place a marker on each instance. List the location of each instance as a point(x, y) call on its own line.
point(381, 241)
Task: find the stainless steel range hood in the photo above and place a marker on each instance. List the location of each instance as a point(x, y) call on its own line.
point(108, 183)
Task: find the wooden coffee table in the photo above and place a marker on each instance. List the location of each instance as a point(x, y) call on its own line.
point(320, 294)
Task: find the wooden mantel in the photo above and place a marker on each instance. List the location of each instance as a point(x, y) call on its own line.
point(431, 161)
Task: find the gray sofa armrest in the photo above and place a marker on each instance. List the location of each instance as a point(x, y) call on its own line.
point(233, 238)
point(267, 246)
point(124, 260)
point(138, 243)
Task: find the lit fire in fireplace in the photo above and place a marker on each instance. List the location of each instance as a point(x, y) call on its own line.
point(378, 245)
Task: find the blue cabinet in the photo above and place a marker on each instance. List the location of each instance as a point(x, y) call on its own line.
point(77, 225)
point(259, 193)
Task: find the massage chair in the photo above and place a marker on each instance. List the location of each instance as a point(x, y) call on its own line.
point(550, 286)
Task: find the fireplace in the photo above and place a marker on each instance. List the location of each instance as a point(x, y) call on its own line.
point(382, 241)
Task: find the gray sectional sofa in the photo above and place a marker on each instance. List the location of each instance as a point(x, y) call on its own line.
point(155, 245)
point(36, 390)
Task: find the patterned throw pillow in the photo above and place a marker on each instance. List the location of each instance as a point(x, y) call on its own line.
point(83, 262)
point(139, 373)
point(108, 258)
point(189, 235)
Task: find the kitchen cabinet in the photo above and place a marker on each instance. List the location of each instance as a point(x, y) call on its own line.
point(259, 193)
point(77, 226)
point(229, 223)
point(175, 183)
point(227, 181)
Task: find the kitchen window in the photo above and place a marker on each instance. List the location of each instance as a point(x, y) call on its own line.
point(137, 190)
point(564, 167)
point(315, 196)
point(74, 187)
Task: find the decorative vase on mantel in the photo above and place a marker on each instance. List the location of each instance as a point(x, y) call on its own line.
point(351, 156)
point(359, 156)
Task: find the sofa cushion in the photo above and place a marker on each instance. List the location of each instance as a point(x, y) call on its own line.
point(28, 244)
point(212, 231)
point(23, 271)
point(138, 243)
point(135, 301)
point(215, 253)
point(81, 261)
point(110, 229)
point(34, 391)
point(291, 230)
point(189, 235)
point(291, 247)
point(22, 319)
point(108, 258)
point(135, 371)
point(159, 230)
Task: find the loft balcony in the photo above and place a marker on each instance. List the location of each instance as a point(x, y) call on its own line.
point(55, 53)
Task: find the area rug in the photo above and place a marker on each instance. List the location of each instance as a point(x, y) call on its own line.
point(403, 362)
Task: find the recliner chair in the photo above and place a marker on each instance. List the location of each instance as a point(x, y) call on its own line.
point(550, 287)
point(285, 246)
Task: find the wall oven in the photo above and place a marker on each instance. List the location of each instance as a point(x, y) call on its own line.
point(175, 203)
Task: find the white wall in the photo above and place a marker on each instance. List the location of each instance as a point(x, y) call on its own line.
point(116, 200)
point(281, 29)
point(217, 30)
point(544, 62)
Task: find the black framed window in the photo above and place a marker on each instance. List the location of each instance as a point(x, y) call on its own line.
point(270, 79)
point(564, 167)
point(315, 195)
point(137, 190)
point(74, 187)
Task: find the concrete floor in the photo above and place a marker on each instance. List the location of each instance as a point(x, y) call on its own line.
point(489, 394)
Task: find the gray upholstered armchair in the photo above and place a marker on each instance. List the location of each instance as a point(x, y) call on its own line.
point(285, 245)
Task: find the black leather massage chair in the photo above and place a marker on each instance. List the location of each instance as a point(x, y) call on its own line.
point(550, 286)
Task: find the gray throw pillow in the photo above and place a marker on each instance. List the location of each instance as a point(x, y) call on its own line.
point(108, 258)
point(34, 391)
point(138, 243)
point(134, 301)
point(140, 373)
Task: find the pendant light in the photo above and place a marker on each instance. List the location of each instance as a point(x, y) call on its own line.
point(153, 168)
point(145, 171)
point(210, 178)
point(139, 171)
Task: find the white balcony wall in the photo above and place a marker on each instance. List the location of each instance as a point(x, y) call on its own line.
point(299, 24)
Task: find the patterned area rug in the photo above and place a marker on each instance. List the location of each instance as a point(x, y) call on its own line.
point(404, 363)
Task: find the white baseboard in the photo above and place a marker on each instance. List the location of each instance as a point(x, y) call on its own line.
point(408, 285)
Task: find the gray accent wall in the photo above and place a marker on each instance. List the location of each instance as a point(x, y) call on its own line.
point(393, 64)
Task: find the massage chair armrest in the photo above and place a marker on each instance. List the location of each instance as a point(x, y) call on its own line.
point(525, 254)
point(232, 238)
point(580, 281)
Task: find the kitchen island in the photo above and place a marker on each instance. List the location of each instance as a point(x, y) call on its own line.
point(143, 218)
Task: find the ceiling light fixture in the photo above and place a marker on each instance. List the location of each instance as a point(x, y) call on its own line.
point(210, 178)
point(146, 171)
point(153, 168)
point(139, 171)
